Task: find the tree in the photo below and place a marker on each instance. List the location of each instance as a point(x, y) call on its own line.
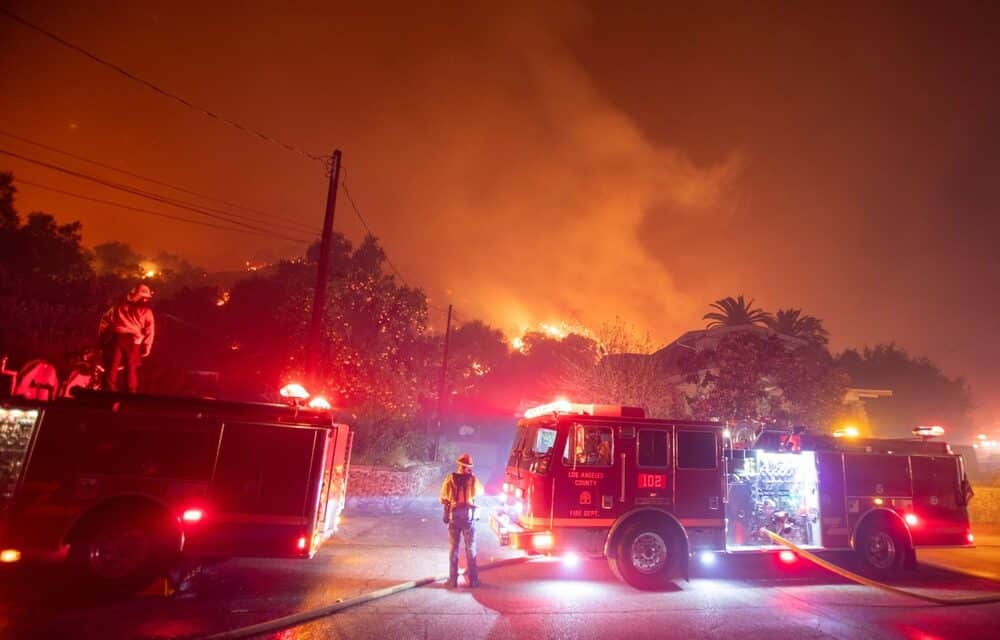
point(476, 351)
point(117, 259)
point(8, 215)
point(792, 322)
point(623, 373)
point(49, 297)
point(752, 378)
point(921, 392)
point(735, 311)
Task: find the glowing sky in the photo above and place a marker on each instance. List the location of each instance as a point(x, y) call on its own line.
point(577, 162)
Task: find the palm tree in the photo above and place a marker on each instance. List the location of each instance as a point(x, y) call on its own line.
point(791, 322)
point(735, 311)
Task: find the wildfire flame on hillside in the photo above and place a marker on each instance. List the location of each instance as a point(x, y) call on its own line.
point(557, 330)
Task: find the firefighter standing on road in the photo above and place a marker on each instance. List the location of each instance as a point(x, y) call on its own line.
point(126, 335)
point(458, 495)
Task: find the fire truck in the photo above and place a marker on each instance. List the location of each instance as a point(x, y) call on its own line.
point(123, 486)
point(649, 494)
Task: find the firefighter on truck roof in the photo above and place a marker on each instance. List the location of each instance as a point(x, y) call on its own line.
point(126, 334)
point(458, 495)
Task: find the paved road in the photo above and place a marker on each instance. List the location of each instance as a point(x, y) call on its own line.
point(749, 598)
point(983, 562)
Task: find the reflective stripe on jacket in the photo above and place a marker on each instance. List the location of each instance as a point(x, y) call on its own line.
point(458, 489)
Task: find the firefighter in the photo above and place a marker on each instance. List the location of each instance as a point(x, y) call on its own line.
point(458, 496)
point(126, 335)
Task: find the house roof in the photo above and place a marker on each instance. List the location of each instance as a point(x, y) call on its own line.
point(702, 339)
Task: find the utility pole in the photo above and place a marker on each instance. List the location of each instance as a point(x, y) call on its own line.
point(322, 272)
point(441, 381)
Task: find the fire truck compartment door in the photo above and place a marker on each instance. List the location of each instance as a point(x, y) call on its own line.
point(265, 490)
point(835, 532)
point(17, 427)
point(650, 476)
point(698, 478)
point(938, 501)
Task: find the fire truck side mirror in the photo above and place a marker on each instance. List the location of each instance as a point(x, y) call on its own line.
point(967, 491)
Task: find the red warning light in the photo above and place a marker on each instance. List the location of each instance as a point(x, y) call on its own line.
point(302, 543)
point(319, 402)
point(787, 556)
point(295, 391)
point(193, 515)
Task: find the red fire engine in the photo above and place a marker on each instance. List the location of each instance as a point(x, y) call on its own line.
point(650, 493)
point(123, 485)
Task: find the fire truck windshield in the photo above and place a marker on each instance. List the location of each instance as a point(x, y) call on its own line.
point(544, 440)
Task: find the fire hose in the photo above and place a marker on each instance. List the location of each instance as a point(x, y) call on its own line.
point(868, 582)
point(296, 619)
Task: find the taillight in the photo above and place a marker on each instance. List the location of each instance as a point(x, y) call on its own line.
point(911, 519)
point(302, 543)
point(193, 515)
point(971, 538)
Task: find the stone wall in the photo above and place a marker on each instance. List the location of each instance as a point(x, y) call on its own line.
point(984, 508)
point(379, 489)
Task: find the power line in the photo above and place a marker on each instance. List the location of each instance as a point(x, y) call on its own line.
point(205, 211)
point(368, 229)
point(173, 96)
point(160, 214)
point(150, 195)
point(161, 183)
point(187, 103)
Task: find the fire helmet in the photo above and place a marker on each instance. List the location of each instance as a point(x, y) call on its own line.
point(140, 292)
point(465, 460)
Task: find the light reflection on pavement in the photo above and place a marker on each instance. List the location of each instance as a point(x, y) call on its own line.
point(541, 599)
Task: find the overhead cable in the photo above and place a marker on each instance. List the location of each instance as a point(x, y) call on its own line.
point(173, 96)
point(268, 217)
point(152, 196)
point(368, 230)
point(20, 181)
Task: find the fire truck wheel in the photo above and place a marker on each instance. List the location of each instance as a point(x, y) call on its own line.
point(882, 548)
point(648, 555)
point(124, 551)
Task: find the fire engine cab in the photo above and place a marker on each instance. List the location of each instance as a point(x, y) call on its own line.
point(123, 485)
point(649, 493)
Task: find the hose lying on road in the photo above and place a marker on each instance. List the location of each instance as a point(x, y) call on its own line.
point(294, 620)
point(844, 573)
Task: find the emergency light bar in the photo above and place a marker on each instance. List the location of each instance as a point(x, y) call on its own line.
point(559, 406)
point(565, 406)
point(928, 431)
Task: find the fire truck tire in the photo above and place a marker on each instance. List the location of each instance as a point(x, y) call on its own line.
point(882, 548)
point(122, 551)
point(647, 555)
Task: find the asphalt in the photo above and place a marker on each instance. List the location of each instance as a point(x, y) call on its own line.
point(747, 597)
point(981, 562)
